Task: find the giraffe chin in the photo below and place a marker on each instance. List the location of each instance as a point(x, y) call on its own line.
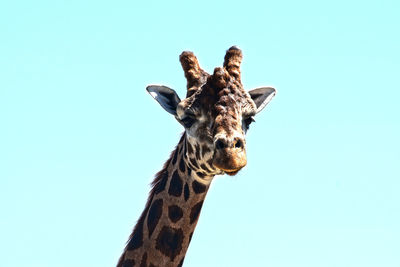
point(231, 172)
point(230, 169)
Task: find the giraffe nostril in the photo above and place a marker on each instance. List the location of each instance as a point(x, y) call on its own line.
point(220, 144)
point(239, 143)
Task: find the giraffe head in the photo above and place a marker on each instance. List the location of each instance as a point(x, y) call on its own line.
point(216, 113)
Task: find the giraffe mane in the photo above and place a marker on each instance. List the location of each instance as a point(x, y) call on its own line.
point(157, 185)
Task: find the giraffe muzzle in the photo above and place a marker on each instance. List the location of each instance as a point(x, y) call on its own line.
point(229, 159)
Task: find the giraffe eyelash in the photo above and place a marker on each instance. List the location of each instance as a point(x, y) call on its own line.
point(248, 121)
point(188, 121)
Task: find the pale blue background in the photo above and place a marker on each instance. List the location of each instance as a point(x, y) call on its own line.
point(81, 139)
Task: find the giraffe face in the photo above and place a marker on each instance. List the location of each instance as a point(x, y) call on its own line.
point(216, 115)
point(216, 119)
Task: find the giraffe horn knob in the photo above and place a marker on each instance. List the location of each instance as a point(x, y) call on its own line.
point(195, 76)
point(233, 58)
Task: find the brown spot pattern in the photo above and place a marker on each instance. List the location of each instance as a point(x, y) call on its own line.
point(195, 212)
point(136, 240)
point(143, 263)
point(176, 185)
point(180, 149)
point(198, 188)
point(181, 262)
point(187, 192)
point(190, 236)
point(205, 168)
point(169, 241)
point(197, 146)
point(225, 81)
point(200, 174)
point(190, 149)
point(174, 158)
point(194, 163)
point(128, 263)
point(154, 216)
point(175, 213)
point(204, 150)
point(161, 183)
point(182, 165)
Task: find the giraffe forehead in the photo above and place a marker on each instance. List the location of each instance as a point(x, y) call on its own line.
point(214, 99)
point(220, 96)
point(232, 103)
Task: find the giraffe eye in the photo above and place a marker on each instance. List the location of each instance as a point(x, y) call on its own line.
point(248, 121)
point(188, 121)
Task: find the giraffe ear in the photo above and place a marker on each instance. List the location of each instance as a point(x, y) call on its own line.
point(165, 96)
point(261, 96)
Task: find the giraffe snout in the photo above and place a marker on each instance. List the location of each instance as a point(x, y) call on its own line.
point(230, 154)
point(223, 143)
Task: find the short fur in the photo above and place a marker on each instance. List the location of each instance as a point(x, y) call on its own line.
point(213, 114)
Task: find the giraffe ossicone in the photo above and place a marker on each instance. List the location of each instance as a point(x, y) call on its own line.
point(216, 115)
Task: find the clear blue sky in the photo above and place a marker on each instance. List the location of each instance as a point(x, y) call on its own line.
point(81, 139)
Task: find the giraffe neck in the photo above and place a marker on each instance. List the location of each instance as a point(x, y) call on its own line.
point(163, 232)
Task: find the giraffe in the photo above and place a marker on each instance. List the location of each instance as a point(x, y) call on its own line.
point(216, 115)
